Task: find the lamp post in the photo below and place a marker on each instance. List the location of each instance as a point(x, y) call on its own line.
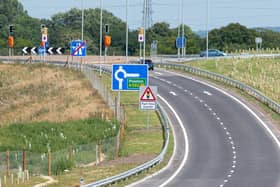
point(145, 19)
point(82, 20)
point(126, 43)
point(100, 39)
point(207, 22)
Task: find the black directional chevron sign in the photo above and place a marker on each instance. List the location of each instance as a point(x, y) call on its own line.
point(55, 50)
point(50, 50)
point(29, 50)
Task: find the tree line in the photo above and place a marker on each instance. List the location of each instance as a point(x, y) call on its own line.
point(64, 27)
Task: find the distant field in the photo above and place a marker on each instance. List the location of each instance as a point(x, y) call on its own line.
point(260, 73)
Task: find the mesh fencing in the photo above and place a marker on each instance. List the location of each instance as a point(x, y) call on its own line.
point(14, 162)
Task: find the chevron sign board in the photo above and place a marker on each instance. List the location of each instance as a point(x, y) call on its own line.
point(49, 50)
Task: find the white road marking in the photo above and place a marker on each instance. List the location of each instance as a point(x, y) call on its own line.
point(186, 144)
point(175, 148)
point(274, 137)
point(158, 73)
point(207, 93)
point(173, 93)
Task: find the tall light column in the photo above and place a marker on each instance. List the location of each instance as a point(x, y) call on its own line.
point(145, 24)
point(82, 20)
point(100, 39)
point(179, 26)
point(126, 43)
point(207, 22)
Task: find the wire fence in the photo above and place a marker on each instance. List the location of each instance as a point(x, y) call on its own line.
point(54, 163)
point(22, 164)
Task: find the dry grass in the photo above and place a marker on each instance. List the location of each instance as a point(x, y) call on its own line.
point(40, 93)
point(260, 73)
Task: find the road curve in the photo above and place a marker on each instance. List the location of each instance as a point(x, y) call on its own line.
point(228, 144)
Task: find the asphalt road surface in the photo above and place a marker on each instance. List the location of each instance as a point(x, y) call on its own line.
point(227, 144)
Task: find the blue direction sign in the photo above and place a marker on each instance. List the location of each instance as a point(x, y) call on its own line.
point(129, 77)
point(181, 42)
point(78, 48)
point(41, 50)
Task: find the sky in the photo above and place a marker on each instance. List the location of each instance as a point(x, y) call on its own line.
point(251, 13)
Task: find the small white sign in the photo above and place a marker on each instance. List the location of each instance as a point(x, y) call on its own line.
point(140, 37)
point(147, 97)
point(44, 37)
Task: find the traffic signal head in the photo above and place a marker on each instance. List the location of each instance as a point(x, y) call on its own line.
point(107, 41)
point(11, 41)
point(11, 29)
point(106, 28)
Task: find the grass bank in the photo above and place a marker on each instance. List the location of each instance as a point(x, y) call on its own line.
point(36, 93)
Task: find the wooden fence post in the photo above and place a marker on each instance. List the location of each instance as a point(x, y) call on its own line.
point(8, 163)
point(24, 160)
point(49, 163)
point(99, 151)
point(70, 153)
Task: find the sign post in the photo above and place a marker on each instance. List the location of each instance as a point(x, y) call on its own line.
point(148, 100)
point(140, 40)
point(258, 41)
point(128, 77)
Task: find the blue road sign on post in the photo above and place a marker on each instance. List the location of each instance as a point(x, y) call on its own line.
point(129, 77)
point(41, 50)
point(181, 42)
point(78, 48)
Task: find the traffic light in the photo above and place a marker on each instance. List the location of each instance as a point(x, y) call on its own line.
point(11, 41)
point(107, 41)
point(106, 28)
point(11, 29)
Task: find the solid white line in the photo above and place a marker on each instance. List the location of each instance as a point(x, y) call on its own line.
point(274, 137)
point(175, 148)
point(186, 143)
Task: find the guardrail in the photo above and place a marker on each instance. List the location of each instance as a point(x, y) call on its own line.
point(144, 166)
point(251, 91)
point(138, 169)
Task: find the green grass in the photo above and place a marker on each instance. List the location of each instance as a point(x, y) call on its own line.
point(260, 73)
point(37, 137)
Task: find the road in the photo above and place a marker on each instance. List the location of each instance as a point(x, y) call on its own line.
point(227, 145)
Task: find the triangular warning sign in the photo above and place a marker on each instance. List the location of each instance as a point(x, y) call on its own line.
point(148, 95)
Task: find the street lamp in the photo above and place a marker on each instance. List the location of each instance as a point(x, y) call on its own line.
point(126, 43)
point(100, 39)
point(82, 20)
point(207, 22)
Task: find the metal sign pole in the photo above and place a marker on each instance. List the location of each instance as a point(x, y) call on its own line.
point(100, 39)
point(9, 55)
point(148, 119)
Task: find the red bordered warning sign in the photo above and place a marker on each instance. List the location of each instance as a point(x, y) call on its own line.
point(147, 97)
